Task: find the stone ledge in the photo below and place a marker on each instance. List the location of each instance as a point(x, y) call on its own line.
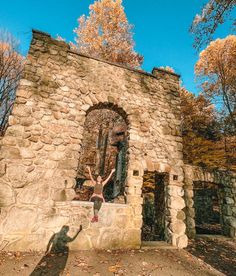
point(87, 203)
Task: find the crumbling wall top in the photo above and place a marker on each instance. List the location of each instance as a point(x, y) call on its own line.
point(156, 72)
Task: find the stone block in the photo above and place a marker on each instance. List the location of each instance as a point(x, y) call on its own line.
point(176, 203)
point(181, 215)
point(68, 164)
point(17, 175)
point(190, 212)
point(111, 239)
point(10, 153)
point(35, 194)
point(20, 220)
point(229, 200)
point(122, 221)
point(63, 194)
point(231, 221)
point(178, 227)
point(191, 233)
point(2, 168)
point(7, 195)
point(190, 222)
point(182, 241)
point(132, 238)
point(27, 153)
point(53, 222)
point(175, 191)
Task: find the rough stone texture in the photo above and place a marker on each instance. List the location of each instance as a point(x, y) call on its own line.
point(227, 197)
point(118, 232)
point(42, 146)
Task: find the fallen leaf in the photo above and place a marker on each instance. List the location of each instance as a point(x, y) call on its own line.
point(114, 268)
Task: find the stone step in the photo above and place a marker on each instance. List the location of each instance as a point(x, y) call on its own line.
point(157, 245)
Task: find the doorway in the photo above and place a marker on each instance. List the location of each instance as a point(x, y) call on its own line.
point(154, 206)
point(207, 208)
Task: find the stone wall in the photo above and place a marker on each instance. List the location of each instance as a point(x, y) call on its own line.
point(226, 182)
point(114, 229)
point(42, 145)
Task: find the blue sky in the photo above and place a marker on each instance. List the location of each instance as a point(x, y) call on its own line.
point(161, 28)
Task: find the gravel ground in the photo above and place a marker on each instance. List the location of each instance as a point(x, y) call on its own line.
point(162, 262)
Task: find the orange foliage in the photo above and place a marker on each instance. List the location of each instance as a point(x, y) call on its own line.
point(204, 142)
point(106, 34)
point(199, 133)
point(216, 69)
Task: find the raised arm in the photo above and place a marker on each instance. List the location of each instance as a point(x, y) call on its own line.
point(109, 177)
point(75, 236)
point(90, 174)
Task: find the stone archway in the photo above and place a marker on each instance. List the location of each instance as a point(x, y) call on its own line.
point(103, 147)
point(41, 148)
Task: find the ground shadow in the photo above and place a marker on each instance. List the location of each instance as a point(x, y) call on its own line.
point(56, 255)
point(219, 254)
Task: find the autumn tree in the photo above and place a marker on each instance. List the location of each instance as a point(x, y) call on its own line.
point(106, 34)
point(11, 65)
point(213, 14)
point(201, 131)
point(216, 71)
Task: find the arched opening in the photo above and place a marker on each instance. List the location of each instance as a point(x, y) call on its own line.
point(104, 147)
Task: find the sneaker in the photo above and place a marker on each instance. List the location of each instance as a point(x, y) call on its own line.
point(94, 219)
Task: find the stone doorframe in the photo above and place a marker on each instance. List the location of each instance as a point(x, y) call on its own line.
point(226, 180)
point(163, 219)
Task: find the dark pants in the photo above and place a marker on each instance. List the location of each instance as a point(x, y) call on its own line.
point(97, 204)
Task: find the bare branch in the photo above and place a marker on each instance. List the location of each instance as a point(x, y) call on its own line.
point(213, 14)
point(11, 66)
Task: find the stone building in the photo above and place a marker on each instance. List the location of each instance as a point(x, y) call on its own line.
point(41, 149)
point(210, 196)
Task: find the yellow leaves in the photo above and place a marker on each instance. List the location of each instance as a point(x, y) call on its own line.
point(114, 268)
point(216, 71)
point(106, 34)
point(202, 146)
point(219, 55)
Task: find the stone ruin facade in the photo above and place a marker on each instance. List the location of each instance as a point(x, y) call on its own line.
point(42, 148)
point(221, 182)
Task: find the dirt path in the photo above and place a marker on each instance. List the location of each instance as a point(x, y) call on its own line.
point(98, 263)
point(217, 251)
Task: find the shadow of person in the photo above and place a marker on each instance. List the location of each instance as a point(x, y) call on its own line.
point(56, 255)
